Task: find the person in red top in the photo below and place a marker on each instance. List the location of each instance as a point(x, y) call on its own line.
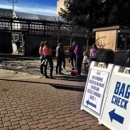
point(41, 57)
point(47, 52)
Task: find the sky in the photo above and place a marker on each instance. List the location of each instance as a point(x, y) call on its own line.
point(42, 7)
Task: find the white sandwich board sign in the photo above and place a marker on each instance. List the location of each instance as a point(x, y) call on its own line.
point(116, 113)
point(95, 88)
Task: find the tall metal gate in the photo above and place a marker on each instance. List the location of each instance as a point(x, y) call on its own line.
point(30, 32)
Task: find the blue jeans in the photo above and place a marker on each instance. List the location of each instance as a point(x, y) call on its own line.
point(49, 60)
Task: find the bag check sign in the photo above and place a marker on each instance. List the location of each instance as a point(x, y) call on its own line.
point(117, 108)
point(121, 95)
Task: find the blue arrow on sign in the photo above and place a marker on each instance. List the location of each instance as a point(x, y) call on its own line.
point(90, 103)
point(114, 116)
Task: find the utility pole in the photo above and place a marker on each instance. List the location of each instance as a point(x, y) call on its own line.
point(87, 40)
point(13, 1)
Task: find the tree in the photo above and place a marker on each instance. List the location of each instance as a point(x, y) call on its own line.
point(119, 13)
point(85, 13)
point(60, 29)
point(96, 13)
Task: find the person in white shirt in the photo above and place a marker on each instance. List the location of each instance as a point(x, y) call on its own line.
point(85, 61)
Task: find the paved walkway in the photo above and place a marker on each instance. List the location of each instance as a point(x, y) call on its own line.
point(31, 102)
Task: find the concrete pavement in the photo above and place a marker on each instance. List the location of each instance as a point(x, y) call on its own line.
point(31, 102)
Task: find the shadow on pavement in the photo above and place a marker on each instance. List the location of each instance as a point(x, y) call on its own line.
point(68, 87)
point(71, 78)
point(57, 86)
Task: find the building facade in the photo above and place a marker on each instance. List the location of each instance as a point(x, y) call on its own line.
point(60, 4)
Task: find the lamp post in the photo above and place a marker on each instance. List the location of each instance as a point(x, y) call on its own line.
point(13, 1)
point(87, 40)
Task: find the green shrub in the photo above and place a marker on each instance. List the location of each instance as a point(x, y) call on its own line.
point(106, 56)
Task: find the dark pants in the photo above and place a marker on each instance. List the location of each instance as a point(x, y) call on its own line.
point(79, 64)
point(41, 68)
point(58, 65)
point(128, 63)
point(18, 49)
point(86, 67)
point(48, 60)
point(63, 62)
point(42, 65)
point(93, 59)
point(73, 61)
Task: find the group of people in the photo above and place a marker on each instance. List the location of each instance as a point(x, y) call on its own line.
point(45, 52)
point(76, 57)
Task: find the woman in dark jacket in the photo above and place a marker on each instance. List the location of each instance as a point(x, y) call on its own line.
point(72, 58)
point(59, 58)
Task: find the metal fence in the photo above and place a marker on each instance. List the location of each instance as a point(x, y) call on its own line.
point(38, 27)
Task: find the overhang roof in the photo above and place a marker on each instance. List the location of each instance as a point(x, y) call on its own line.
point(6, 12)
point(22, 15)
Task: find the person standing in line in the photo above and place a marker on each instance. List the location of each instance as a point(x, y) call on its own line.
point(127, 55)
point(41, 57)
point(93, 53)
point(72, 58)
point(18, 46)
point(59, 58)
point(85, 61)
point(63, 59)
point(79, 57)
point(47, 52)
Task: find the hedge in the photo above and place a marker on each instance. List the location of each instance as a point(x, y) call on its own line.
point(105, 55)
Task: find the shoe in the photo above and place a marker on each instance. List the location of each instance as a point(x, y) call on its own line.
point(84, 72)
point(56, 72)
point(61, 73)
point(46, 76)
point(72, 68)
point(41, 74)
point(64, 69)
point(51, 77)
